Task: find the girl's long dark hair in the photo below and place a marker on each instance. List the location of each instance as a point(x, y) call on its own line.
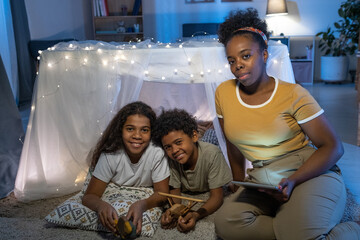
point(111, 140)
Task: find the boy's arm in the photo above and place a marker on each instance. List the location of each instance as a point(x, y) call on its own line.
point(188, 222)
point(176, 191)
point(212, 204)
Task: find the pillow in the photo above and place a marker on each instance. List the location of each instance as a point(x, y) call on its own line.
point(72, 213)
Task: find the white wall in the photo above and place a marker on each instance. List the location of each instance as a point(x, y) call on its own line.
point(163, 19)
point(54, 19)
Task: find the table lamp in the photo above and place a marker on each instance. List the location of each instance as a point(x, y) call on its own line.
point(276, 7)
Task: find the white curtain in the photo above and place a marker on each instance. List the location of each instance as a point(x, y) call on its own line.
point(81, 85)
point(79, 88)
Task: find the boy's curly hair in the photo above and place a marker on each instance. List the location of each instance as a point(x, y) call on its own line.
point(240, 19)
point(173, 120)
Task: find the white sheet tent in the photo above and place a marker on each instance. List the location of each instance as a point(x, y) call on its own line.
point(81, 85)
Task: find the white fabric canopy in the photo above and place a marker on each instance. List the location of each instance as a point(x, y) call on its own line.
point(81, 86)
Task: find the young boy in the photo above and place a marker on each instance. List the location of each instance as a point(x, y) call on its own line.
point(195, 166)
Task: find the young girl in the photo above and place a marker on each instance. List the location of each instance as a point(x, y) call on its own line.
point(124, 155)
point(271, 123)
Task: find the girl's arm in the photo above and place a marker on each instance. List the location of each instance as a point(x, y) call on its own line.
point(236, 158)
point(214, 202)
point(92, 199)
point(136, 209)
point(329, 150)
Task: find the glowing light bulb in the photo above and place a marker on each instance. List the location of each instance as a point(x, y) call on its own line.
point(202, 73)
point(38, 58)
point(49, 65)
point(99, 51)
point(209, 71)
point(146, 73)
point(39, 51)
point(219, 71)
point(71, 45)
point(66, 57)
point(133, 46)
point(191, 75)
point(132, 61)
point(105, 63)
point(180, 46)
point(162, 78)
point(175, 71)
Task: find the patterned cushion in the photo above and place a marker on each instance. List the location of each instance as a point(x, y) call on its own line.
point(210, 137)
point(72, 213)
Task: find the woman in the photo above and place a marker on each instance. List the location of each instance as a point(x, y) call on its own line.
point(275, 124)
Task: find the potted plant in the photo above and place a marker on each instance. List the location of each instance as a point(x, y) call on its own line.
point(340, 42)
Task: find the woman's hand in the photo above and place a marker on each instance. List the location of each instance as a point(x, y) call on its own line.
point(107, 215)
point(135, 214)
point(187, 223)
point(167, 221)
point(286, 187)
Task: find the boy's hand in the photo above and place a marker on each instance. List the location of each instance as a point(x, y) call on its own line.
point(135, 213)
point(187, 223)
point(167, 221)
point(107, 215)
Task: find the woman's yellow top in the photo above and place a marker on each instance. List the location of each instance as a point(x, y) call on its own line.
point(268, 130)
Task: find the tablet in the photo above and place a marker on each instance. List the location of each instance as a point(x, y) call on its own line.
point(256, 185)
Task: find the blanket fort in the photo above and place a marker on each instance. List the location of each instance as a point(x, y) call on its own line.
point(81, 85)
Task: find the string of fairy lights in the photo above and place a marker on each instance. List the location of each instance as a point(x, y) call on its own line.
point(111, 60)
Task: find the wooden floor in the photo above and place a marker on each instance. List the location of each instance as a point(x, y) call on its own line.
point(339, 102)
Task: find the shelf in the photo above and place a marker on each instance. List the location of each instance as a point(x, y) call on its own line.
point(117, 27)
point(116, 33)
point(301, 60)
point(117, 17)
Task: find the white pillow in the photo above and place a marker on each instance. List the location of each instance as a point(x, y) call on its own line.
point(72, 213)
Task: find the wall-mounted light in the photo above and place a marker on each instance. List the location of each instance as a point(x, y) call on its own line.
point(276, 7)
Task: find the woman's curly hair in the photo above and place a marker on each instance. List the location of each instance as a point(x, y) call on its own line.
point(173, 120)
point(111, 140)
point(240, 19)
